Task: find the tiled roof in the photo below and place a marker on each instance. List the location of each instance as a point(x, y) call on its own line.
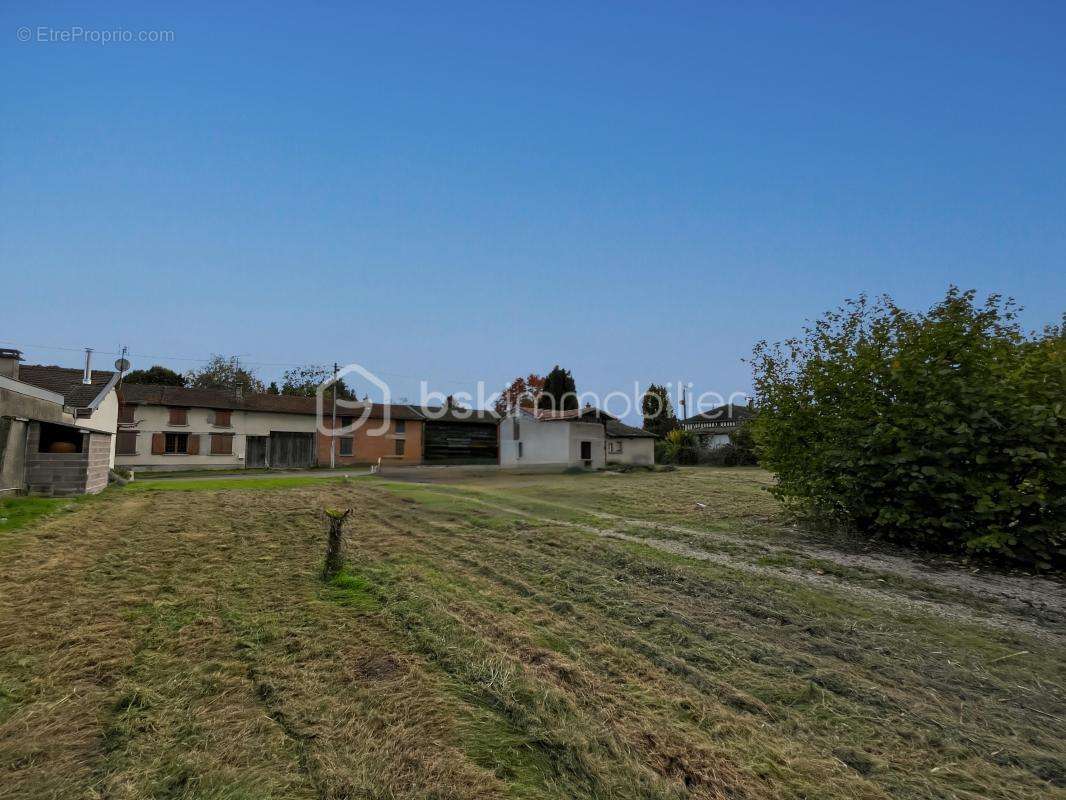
point(351, 408)
point(66, 382)
point(731, 412)
point(569, 414)
point(148, 395)
point(439, 414)
point(619, 430)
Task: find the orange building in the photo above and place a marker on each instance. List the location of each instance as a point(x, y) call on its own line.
point(394, 432)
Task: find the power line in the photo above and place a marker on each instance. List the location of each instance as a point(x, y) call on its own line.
point(157, 357)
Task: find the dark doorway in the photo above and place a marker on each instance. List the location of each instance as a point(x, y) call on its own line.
point(255, 454)
point(586, 451)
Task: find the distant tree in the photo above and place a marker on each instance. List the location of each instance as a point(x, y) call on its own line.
point(273, 388)
point(224, 372)
point(156, 376)
point(560, 391)
point(304, 382)
point(522, 392)
point(658, 412)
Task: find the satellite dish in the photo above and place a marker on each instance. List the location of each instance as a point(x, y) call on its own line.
point(122, 364)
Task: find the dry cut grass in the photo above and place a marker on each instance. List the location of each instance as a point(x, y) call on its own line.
point(180, 645)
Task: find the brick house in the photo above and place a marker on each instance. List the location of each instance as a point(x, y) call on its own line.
point(393, 432)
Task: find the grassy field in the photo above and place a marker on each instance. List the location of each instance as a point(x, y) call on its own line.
point(646, 635)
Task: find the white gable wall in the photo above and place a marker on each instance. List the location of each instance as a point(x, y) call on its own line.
point(549, 443)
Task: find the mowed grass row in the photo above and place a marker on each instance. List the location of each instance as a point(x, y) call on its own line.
point(179, 644)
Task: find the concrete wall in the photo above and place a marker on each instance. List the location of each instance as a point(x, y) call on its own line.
point(557, 443)
point(156, 419)
point(15, 409)
point(368, 445)
point(104, 419)
point(68, 473)
point(638, 450)
point(13, 433)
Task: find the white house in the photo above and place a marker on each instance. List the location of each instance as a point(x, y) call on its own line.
point(714, 427)
point(542, 438)
point(164, 428)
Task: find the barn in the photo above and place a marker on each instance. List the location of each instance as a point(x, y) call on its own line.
point(455, 435)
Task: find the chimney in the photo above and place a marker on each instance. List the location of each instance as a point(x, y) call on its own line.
point(87, 376)
point(9, 362)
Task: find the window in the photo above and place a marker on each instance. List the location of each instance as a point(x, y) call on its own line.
point(176, 443)
point(222, 418)
point(125, 412)
point(126, 444)
point(519, 449)
point(401, 426)
point(179, 416)
point(346, 445)
point(221, 444)
point(514, 428)
point(614, 447)
point(400, 447)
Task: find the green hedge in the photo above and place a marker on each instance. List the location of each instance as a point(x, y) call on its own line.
point(942, 429)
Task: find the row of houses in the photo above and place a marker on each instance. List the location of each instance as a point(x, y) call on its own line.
point(62, 430)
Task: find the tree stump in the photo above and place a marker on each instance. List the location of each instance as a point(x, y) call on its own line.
point(335, 544)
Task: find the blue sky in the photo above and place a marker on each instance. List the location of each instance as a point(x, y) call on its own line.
point(469, 191)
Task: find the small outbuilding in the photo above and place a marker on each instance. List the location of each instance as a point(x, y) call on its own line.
point(629, 445)
point(56, 427)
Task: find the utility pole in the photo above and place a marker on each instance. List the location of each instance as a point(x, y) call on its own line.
point(684, 405)
point(333, 424)
point(122, 369)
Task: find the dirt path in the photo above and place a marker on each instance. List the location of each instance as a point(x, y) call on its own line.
point(1024, 592)
point(1013, 594)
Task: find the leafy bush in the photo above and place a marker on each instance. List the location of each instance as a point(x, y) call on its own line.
point(942, 429)
point(679, 447)
point(739, 452)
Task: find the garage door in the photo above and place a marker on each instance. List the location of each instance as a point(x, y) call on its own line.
point(292, 450)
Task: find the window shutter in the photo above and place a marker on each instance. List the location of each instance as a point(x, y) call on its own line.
point(221, 444)
point(126, 443)
point(194, 444)
point(159, 443)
